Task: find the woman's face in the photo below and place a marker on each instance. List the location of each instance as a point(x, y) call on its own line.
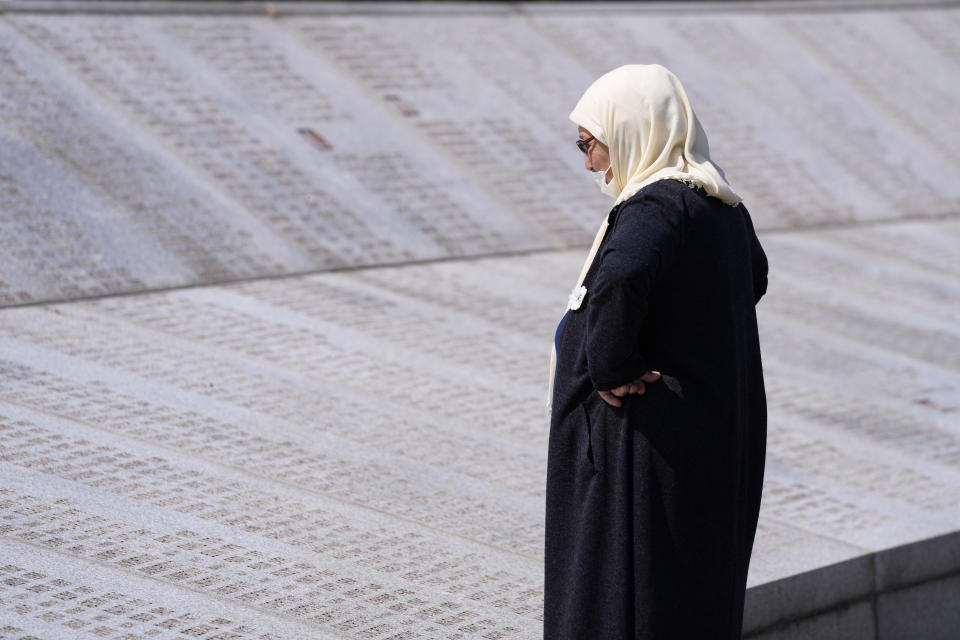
point(598, 155)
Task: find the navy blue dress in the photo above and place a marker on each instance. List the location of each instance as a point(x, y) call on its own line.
point(651, 508)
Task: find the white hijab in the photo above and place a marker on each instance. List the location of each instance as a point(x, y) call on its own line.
point(642, 114)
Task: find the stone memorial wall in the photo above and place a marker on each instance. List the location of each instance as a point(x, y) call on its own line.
point(357, 450)
point(151, 151)
point(362, 455)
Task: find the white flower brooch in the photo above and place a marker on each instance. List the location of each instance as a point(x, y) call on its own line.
point(576, 297)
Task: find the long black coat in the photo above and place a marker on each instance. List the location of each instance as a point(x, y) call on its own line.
point(651, 508)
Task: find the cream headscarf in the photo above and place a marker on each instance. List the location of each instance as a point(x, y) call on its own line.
point(642, 114)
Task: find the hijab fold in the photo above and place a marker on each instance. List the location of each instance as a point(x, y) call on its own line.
point(642, 114)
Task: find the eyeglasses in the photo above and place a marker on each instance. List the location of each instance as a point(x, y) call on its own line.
point(584, 145)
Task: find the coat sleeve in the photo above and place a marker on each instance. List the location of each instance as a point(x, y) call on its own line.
point(643, 244)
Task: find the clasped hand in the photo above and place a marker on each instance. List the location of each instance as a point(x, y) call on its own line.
point(637, 387)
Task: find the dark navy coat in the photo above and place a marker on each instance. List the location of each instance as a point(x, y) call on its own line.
point(651, 508)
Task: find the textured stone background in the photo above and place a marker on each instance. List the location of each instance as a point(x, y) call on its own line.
point(344, 242)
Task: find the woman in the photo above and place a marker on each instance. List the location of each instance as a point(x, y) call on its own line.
point(658, 422)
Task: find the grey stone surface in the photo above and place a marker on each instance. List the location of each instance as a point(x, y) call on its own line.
point(923, 561)
point(910, 589)
point(778, 604)
point(151, 151)
point(361, 453)
point(853, 621)
point(364, 452)
point(929, 611)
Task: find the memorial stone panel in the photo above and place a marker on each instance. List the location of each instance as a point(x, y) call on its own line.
point(327, 187)
point(281, 80)
point(119, 58)
point(186, 150)
point(132, 220)
point(47, 601)
point(269, 568)
point(363, 453)
point(791, 103)
point(469, 107)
